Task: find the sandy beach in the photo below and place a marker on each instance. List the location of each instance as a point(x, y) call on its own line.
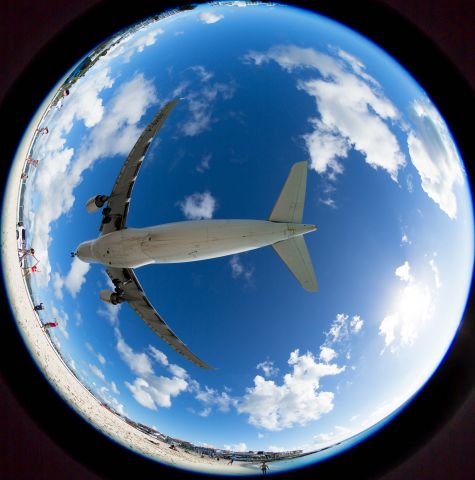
point(58, 374)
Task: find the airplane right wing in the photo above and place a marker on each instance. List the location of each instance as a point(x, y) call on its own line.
point(125, 280)
point(119, 199)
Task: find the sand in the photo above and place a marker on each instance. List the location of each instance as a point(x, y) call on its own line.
point(44, 353)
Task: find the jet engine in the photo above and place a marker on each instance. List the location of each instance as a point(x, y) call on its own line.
point(95, 203)
point(110, 297)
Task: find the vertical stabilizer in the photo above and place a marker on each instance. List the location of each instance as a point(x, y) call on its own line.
point(289, 205)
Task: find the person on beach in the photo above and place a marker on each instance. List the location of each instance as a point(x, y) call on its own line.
point(24, 176)
point(42, 131)
point(48, 325)
point(39, 307)
point(31, 161)
point(231, 460)
point(23, 252)
point(264, 468)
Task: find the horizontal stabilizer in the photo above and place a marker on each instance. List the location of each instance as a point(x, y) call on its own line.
point(295, 255)
point(289, 205)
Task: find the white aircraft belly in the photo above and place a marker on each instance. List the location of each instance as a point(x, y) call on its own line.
point(201, 240)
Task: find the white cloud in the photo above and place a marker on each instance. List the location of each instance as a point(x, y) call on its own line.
point(156, 390)
point(112, 130)
point(132, 44)
point(204, 74)
point(238, 447)
point(274, 448)
point(338, 434)
point(198, 206)
point(435, 157)
point(99, 356)
point(148, 389)
point(405, 239)
point(58, 284)
point(205, 412)
point(327, 354)
point(101, 359)
point(114, 388)
point(139, 363)
point(413, 307)
point(435, 271)
point(200, 105)
point(342, 327)
point(356, 324)
point(239, 270)
point(76, 276)
point(204, 164)
point(296, 401)
point(209, 17)
point(97, 372)
point(403, 272)
point(62, 319)
point(268, 368)
point(210, 397)
point(77, 314)
point(158, 355)
point(354, 113)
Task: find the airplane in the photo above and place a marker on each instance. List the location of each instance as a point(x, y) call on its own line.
point(121, 249)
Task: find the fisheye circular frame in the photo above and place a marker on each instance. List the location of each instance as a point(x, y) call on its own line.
point(423, 416)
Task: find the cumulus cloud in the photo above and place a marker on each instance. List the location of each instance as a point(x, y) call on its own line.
point(97, 372)
point(111, 130)
point(403, 272)
point(435, 157)
point(198, 206)
point(239, 270)
point(201, 103)
point(76, 276)
point(268, 368)
point(297, 401)
point(209, 17)
point(335, 435)
point(342, 327)
point(210, 397)
point(354, 113)
point(414, 306)
point(149, 389)
point(327, 354)
point(156, 390)
point(139, 363)
point(356, 324)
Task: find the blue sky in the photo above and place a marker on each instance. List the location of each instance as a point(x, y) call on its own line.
point(393, 251)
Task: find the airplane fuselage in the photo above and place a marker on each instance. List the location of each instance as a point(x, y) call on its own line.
point(186, 241)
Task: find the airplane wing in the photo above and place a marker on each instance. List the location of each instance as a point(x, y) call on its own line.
point(135, 296)
point(115, 214)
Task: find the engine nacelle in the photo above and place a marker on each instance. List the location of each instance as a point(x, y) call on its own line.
point(110, 297)
point(95, 203)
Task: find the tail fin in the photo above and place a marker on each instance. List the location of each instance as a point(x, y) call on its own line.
point(289, 205)
point(295, 255)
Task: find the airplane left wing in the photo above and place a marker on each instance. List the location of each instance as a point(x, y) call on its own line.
point(115, 214)
point(125, 280)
